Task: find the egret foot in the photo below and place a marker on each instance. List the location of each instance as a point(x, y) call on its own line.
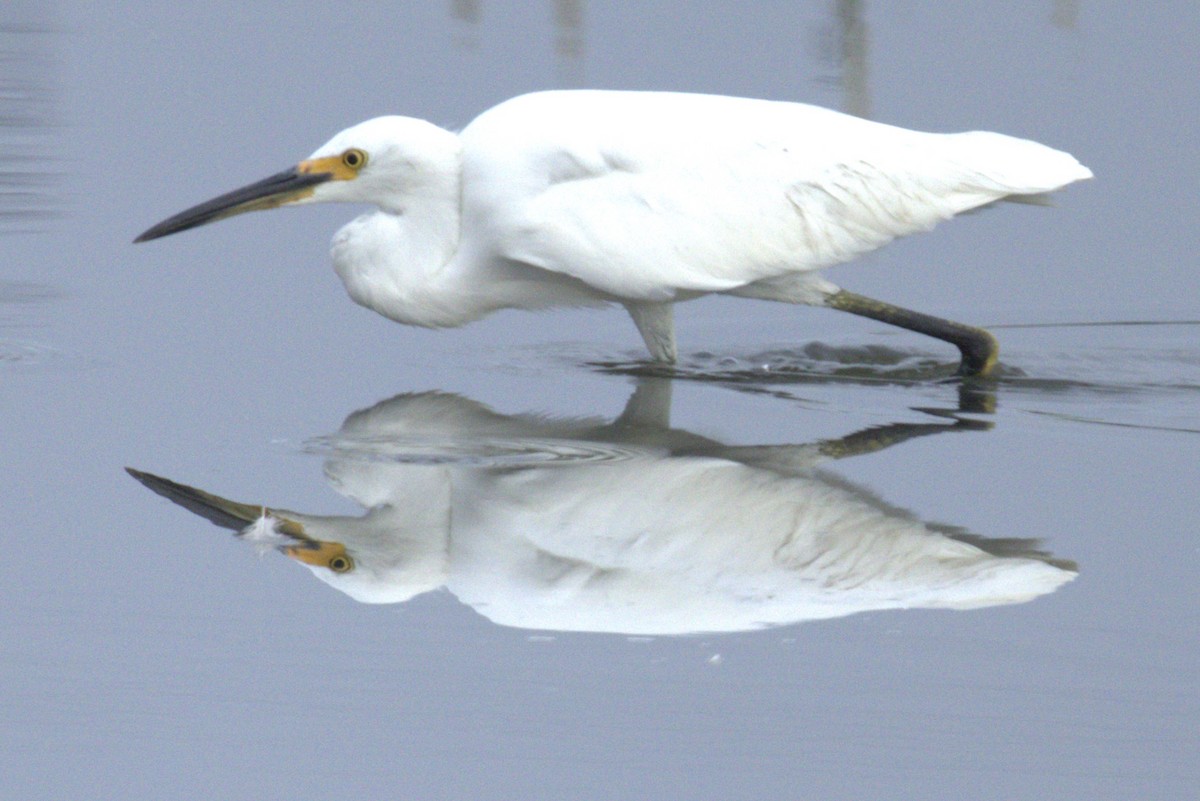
point(978, 347)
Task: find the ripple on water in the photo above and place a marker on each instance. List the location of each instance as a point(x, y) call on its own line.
point(476, 452)
point(814, 362)
point(21, 293)
point(29, 174)
point(22, 354)
point(16, 297)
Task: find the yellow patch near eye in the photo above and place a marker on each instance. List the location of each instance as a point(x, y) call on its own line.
point(322, 554)
point(333, 165)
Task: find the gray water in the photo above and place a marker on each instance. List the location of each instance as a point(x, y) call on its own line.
point(596, 509)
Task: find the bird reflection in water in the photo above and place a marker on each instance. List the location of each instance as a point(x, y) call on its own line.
point(630, 526)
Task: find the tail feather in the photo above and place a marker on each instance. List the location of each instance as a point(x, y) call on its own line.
point(1022, 169)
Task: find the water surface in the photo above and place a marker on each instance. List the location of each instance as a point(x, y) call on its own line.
point(1012, 616)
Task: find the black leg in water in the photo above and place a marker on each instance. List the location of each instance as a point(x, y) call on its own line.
point(978, 347)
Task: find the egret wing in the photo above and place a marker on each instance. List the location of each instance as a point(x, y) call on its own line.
point(650, 196)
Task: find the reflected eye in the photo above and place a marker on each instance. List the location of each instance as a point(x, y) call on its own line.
point(341, 564)
point(354, 158)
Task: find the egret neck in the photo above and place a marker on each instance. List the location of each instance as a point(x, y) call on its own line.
point(396, 260)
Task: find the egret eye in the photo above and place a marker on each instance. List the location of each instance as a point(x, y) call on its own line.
point(341, 564)
point(354, 158)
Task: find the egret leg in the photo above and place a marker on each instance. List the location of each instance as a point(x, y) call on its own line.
point(656, 323)
point(978, 347)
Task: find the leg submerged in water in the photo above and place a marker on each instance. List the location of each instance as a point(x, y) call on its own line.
point(978, 347)
point(656, 323)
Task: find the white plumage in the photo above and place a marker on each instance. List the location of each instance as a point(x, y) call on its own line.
point(665, 533)
point(649, 196)
point(640, 198)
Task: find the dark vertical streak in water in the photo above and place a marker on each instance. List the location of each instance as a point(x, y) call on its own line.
point(468, 13)
point(570, 43)
point(1065, 14)
point(855, 49)
point(843, 43)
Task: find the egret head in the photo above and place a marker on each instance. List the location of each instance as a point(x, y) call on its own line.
point(388, 555)
point(377, 558)
point(380, 161)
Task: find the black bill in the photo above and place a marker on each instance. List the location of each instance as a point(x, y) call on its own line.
point(283, 187)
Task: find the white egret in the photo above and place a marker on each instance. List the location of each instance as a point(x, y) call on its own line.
point(643, 199)
point(669, 534)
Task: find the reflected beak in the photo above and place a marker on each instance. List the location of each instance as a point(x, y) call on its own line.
point(235, 515)
point(288, 186)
